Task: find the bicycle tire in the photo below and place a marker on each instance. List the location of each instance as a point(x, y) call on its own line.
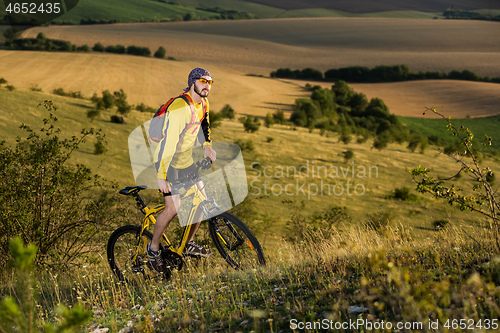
point(235, 242)
point(121, 249)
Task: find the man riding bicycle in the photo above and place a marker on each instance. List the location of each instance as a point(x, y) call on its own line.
point(173, 157)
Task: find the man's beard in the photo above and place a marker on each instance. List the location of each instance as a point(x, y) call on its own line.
point(203, 93)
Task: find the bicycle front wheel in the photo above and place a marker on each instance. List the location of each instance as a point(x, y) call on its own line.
point(235, 242)
point(127, 253)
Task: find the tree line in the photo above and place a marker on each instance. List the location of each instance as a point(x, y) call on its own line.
point(382, 73)
point(460, 14)
point(42, 43)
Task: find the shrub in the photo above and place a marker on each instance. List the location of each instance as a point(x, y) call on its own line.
point(92, 114)
point(144, 108)
point(440, 224)
point(138, 50)
point(108, 99)
point(247, 145)
point(378, 221)
point(348, 155)
point(118, 49)
point(83, 48)
point(100, 146)
point(227, 112)
point(160, 53)
point(251, 124)
point(403, 194)
point(98, 47)
point(2, 81)
point(57, 205)
point(268, 121)
point(279, 117)
point(117, 119)
point(10, 87)
point(484, 197)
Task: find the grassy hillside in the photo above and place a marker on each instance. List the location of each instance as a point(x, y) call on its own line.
point(479, 126)
point(289, 170)
point(365, 6)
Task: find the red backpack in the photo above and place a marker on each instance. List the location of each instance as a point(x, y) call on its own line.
point(156, 126)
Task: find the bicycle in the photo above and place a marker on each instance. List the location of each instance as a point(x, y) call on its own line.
point(126, 248)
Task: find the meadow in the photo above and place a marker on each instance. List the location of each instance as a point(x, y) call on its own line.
point(404, 270)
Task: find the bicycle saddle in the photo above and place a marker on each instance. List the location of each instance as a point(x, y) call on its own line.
point(132, 189)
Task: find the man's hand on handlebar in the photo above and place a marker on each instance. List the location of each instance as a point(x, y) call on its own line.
point(164, 186)
point(209, 152)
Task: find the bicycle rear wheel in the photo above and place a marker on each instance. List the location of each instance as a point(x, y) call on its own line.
point(235, 242)
point(127, 256)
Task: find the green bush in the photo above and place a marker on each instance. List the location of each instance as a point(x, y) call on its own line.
point(227, 112)
point(100, 147)
point(348, 155)
point(403, 194)
point(117, 119)
point(247, 145)
point(118, 49)
point(440, 224)
point(268, 121)
point(138, 50)
point(55, 204)
point(279, 117)
point(92, 114)
point(98, 47)
point(83, 48)
point(251, 124)
point(160, 53)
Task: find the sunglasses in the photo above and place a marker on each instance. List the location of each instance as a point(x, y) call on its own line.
point(204, 81)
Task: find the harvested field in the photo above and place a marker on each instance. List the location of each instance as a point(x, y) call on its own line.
point(261, 46)
point(152, 81)
point(232, 49)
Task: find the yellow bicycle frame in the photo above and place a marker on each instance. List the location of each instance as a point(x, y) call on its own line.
point(149, 219)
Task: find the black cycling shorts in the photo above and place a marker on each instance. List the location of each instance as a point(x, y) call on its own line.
point(174, 174)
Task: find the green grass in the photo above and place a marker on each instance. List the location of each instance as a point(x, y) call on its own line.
point(479, 126)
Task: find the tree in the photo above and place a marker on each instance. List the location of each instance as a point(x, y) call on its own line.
point(268, 121)
point(305, 112)
point(279, 117)
point(108, 99)
point(227, 112)
point(160, 53)
point(92, 114)
point(98, 47)
point(121, 102)
point(251, 124)
point(325, 99)
point(343, 93)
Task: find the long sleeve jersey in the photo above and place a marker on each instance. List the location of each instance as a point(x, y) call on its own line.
point(175, 149)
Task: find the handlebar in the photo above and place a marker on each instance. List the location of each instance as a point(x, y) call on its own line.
point(193, 177)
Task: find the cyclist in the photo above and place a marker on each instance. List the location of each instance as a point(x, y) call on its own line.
point(173, 156)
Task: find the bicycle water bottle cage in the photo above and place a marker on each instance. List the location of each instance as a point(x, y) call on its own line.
point(130, 190)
